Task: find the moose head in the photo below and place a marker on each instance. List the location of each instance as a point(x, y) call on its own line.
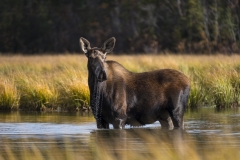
point(96, 56)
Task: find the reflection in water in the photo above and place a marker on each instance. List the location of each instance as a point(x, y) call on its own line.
point(164, 144)
point(209, 134)
point(141, 143)
point(45, 117)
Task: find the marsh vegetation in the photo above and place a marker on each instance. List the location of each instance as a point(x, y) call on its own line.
point(59, 82)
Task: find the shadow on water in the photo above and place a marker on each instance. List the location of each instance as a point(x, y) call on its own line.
point(208, 134)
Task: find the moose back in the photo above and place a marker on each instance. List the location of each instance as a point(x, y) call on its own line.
point(120, 97)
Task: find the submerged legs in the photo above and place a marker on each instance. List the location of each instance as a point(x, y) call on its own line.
point(166, 120)
point(102, 124)
point(120, 123)
point(179, 105)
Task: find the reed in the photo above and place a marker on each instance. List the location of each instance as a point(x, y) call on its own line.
point(36, 94)
point(54, 82)
point(73, 92)
point(9, 96)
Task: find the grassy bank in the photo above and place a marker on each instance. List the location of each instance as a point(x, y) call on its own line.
point(60, 82)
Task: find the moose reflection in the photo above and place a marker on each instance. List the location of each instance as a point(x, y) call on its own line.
point(120, 97)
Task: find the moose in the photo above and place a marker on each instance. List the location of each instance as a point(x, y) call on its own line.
point(121, 97)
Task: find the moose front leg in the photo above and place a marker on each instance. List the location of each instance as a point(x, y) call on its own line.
point(120, 123)
point(165, 119)
point(102, 124)
point(120, 119)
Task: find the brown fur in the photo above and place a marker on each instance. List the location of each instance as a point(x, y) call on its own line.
point(135, 98)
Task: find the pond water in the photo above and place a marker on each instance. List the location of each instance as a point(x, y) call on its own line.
point(208, 134)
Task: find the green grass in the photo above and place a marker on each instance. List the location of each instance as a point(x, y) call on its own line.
point(60, 82)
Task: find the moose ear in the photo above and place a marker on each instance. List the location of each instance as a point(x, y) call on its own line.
point(108, 45)
point(84, 45)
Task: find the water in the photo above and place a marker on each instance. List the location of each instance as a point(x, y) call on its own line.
point(208, 134)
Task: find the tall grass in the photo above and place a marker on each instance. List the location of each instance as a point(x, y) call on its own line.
point(36, 94)
point(60, 82)
point(9, 97)
point(43, 83)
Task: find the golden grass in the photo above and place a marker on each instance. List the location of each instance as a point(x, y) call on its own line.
point(53, 81)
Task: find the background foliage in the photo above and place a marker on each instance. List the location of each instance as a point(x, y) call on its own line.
point(144, 26)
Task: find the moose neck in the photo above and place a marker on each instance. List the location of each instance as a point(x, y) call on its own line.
point(91, 79)
point(96, 94)
point(96, 88)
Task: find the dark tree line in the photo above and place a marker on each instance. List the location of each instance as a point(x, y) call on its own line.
point(140, 26)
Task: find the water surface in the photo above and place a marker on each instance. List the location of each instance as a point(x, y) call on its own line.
point(208, 134)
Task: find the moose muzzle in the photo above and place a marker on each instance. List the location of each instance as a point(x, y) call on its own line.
point(102, 76)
